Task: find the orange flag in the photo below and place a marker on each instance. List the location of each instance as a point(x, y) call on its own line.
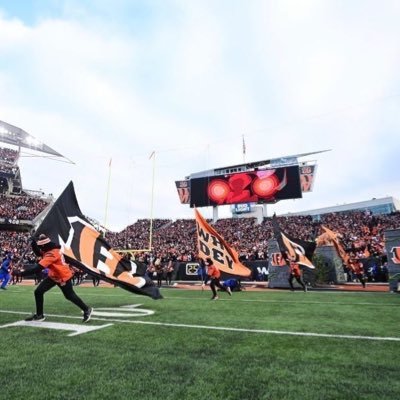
point(212, 244)
point(334, 237)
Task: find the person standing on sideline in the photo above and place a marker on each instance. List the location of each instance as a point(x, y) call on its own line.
point(215, 274)
point(5, 270)
point(169, 270)
point(159, 271)
point(15, 274)
point(295, 273)
point(60, 274)
point(201, 272)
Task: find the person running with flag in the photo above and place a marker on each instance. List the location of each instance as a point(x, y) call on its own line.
point(60, 274)
point(357, 269)
point(295, 273)
point(215, 274)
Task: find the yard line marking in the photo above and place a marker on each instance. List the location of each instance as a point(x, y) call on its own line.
point(76, 329)
point(228, 329)
point(220, 328)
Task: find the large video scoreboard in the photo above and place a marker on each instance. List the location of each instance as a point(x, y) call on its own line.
point(266, 181)
point(258, 186)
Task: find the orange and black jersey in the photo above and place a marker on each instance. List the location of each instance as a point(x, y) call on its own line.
point(59, 270)
point(213, 271)
point(357, 268)
point(294, 269)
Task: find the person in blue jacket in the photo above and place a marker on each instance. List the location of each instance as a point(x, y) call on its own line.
point(5, 270)
point(234, 284)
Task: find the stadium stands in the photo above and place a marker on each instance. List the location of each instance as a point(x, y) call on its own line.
point(8, 156)
point(10, 177)
point(361, 232)
point(20, 207)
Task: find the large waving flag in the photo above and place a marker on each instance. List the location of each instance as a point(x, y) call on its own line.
point(334, 237)
point(212, 244)
point(301, 250)
point(84, 248)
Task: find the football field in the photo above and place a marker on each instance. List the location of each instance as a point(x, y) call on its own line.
point(253, 345)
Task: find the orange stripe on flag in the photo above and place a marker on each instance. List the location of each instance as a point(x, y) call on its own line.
point(211, 244)
point(334, 237)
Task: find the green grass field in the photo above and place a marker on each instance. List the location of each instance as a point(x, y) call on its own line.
point(249, 346)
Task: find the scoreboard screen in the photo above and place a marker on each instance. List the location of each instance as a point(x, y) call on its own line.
point(262, 186)
point(307, 177)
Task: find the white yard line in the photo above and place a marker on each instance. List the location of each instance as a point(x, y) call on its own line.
point(226, 329)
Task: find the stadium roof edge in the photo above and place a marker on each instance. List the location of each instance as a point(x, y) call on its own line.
point(15, 136)
point(254, 164)
point(366, 204)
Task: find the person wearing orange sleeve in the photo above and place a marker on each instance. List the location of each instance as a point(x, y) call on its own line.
point(357, 268)
point(295, 273)
point(214, 275)
point(59, 273)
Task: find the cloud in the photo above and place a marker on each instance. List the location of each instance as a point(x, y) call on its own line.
point(188, 80)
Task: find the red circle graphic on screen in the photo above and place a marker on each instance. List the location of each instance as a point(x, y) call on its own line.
point(218, 190)
point(265, 187)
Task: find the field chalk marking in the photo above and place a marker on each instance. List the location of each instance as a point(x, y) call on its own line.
point(228, 329)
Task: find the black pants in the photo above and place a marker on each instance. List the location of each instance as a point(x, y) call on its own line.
point(159, 279)
point(361, 278)
point(216, 283)
point(298, 279)
point(68, 292)
point(169, 278)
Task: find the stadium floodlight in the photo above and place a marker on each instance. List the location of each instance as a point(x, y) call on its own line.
point(3, 130)
point(32, 142)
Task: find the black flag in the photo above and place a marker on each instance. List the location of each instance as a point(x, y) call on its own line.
point(300, 249)
point(85, 248)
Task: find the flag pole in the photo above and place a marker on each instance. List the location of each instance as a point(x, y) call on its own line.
point(107, 197)
point(244, 149)
point(153, 154)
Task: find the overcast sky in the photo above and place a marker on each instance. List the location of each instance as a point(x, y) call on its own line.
point(189, 79)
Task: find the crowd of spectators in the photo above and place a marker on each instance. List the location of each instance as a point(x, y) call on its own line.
point(8, 156)
point(361, 233)
point(7, 170)
point(21, 207)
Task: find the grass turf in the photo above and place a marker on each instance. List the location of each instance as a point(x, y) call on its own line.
point(188, 360)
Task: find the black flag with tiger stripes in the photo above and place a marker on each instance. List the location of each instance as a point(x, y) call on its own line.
point(301, 250)
point(85, 248)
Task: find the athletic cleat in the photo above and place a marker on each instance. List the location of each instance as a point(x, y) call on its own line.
point(215, 298)
point(37, 318)
point(87, 314)
point(228, 289)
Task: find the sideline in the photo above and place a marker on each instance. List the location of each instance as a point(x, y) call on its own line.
point(236, 299)
point(226, 329)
